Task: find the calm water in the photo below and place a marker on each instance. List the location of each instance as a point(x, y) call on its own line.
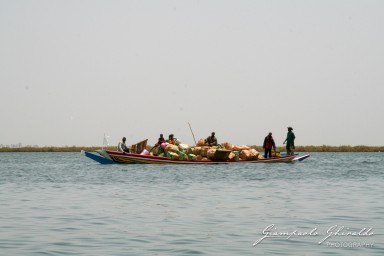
point(66, 204)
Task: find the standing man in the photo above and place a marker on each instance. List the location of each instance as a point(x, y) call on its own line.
point(290, 141)
point(268, 144)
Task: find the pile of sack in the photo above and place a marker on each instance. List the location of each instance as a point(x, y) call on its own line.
point(203, 152)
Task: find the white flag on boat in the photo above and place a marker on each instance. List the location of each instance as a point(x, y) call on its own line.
point(105, 141)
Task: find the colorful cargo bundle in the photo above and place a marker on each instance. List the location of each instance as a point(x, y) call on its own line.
point(202, 152)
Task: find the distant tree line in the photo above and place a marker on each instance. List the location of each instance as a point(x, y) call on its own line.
point(323, 148)
point(54, 149)
point(326, 148)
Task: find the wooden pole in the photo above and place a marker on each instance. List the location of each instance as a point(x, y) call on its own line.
point(192, 133)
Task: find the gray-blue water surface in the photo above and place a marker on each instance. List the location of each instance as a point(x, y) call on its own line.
point(66, 204)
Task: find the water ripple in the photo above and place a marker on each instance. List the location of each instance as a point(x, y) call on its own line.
point(64, 204)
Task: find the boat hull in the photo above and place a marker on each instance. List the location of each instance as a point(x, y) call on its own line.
point(129, 158)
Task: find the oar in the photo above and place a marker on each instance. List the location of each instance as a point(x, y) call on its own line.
point(192, 132)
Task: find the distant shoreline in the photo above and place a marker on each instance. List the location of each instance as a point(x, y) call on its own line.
point(323, 148)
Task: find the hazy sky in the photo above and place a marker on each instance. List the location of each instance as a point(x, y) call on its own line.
point(71, 71)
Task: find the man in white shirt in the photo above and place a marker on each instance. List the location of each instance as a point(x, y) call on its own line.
point(121, 147)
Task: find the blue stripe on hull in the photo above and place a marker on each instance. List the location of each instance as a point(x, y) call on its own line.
point(99, 159)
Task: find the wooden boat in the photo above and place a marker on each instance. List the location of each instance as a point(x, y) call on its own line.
point(111, 156)
point(137, 157)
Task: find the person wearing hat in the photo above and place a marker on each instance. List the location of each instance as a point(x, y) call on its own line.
point(268, 144)
point(290, 141)
point(211, 140)
point(122, 147)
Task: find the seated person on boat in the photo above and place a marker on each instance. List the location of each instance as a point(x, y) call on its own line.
point(171, 139)
point(122, 147)
point(211, 140)
point(160, 141)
